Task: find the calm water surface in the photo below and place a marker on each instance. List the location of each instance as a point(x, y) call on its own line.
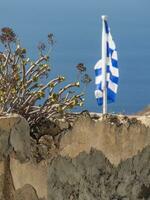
point(76, 25)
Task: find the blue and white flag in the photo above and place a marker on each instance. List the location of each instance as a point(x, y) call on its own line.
point(112, 71)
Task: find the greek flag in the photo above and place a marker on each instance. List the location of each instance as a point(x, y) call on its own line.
point(111, 70)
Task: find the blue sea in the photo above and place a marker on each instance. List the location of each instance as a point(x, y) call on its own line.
point(77, 26)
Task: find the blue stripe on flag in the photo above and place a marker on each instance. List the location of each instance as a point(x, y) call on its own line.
point(99, 101)
point(111, 51)
point(112, 81)
point(99, 86)
point(108, 69)
point(111, 95)
point(114, 63)
point(107, 46)
point(106, 27)
point(98, 72)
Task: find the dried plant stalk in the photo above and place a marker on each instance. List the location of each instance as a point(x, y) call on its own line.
point(25, 82)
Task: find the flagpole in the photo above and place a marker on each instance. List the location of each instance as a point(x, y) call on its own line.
point(104, 61)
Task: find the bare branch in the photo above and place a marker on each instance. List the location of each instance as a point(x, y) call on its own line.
point(36, 63)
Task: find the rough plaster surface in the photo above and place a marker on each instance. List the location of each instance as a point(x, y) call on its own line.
point(29, 173)
point(117, 141)
point(92, 177)
point(27, 192)
point(88, 176)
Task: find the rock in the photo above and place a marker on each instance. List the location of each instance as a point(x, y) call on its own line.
point(34, 150)
point(92, 177)
point(63, 124)
point(69, 178)
point(1, 187)
point(5, 148)
point(45, 144)
point(46, 140)
point(48, 127)
point(144, 192)
point(20, 139)
point(85, 113)
point(88, 174)
point(14, 137)
point(26, 193)
point(42, 152)
point(34, 174)
point(46, 147)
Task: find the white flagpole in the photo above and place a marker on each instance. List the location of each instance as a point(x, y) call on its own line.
point(104, 57)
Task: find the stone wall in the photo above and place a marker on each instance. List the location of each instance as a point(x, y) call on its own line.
point(113, 138)
point(20, 179)
point(118, 137)
point(34, 174)
point(90, 176)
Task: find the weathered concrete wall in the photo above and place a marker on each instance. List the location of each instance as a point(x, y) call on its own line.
point(117, 137)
